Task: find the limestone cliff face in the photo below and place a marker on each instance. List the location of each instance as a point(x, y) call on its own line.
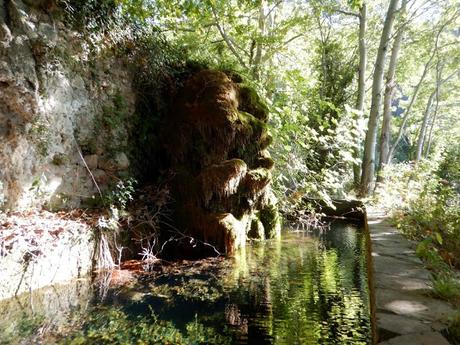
point(58, 95)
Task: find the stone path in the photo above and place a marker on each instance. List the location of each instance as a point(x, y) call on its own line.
point(406, 314)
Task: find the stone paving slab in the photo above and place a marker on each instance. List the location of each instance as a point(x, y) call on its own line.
point(412, 304)
point(425, 338)
point(406, 314)
point(394, 281)
point(399, 324)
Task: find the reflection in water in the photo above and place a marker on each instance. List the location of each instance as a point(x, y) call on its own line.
point(303, 289)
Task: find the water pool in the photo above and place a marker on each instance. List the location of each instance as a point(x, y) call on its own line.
point(304, 289)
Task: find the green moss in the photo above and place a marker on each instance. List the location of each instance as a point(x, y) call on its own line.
point(251, 102)
point(113, 115)
point(59, 159)
point(271, 220)
point(251, 123)
point(256, 180)
point(256, 230)
point(255, 136)
point(41, 136)
point(265, 141)
point(260, 174)
point(233, 75)
point(265, 162)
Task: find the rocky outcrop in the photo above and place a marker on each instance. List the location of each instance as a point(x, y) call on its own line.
point(216, 138)
point(61, 99)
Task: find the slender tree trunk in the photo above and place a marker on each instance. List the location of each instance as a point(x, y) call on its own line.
point(433, 121)
point(417, 88)
point(368, 165)
point(362, 58)
point(361, 81)
point(408, 110)
point(436, 94)
point(421, 135)
point(385, 135)
point(259, 46)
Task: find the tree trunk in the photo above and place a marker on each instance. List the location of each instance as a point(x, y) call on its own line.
point(408, 110)
point(417, 88)
point(436, 93)
point(385, 135)
point(361, 81)
point(421, 135)
point(433, 121)
point(368, 165)
point(259, 46)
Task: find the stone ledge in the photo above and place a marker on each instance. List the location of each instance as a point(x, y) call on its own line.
point(40, 249)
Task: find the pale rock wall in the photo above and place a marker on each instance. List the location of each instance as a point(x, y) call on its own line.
point(58, 254)
point(54, 94)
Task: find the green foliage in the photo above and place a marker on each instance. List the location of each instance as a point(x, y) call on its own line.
point(40, 134)
point(92, 15)
point(37, 186)
point(113, 115)
point(426, 207)
point(300, 56)
point(446, 287)
point(435, 214)
point(449, 168)
point(453, 332)
point(311, 164)
point(26, 325)
point(122, 193)
point(335, 75)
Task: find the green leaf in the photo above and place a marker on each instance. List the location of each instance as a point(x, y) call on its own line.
point(438, 237)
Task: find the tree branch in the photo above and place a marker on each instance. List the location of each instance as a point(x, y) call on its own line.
point(273, 8)
point(227, 39)
point(348, 13)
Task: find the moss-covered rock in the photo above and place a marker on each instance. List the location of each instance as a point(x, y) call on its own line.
point(252, 103)
point(221, 180)
point(215, 139)
point(271, 220)
point(256, 231)
point(255, 182)
point(264, 160)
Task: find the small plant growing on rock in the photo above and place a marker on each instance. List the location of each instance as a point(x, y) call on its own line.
point(122, 194)
point(41, 136)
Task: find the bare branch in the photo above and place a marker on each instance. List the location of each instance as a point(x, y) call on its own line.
point(273, 8)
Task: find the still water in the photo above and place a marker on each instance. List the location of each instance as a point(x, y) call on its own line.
point(304, 289)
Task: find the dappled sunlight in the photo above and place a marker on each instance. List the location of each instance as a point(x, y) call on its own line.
point(158, 145)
